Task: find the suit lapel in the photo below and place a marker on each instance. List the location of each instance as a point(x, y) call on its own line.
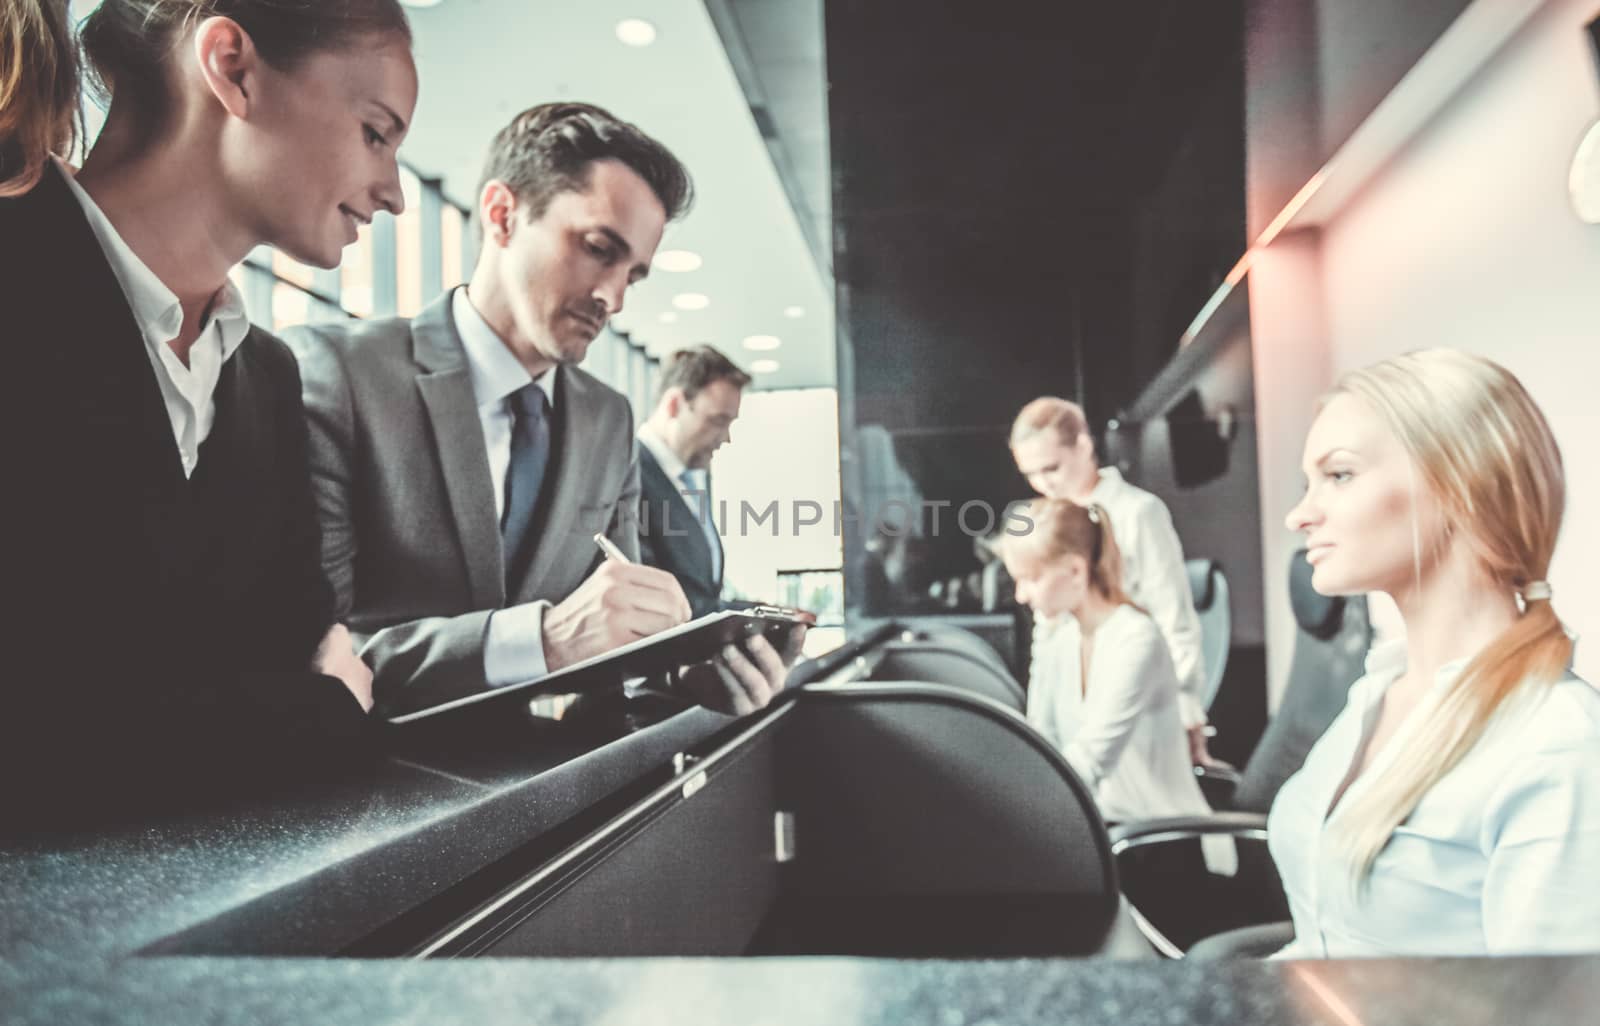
point(446, 390)
point(88, 329)
point(677, 525)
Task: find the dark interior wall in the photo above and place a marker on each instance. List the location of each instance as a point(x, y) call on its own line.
point(1219, 519)
point(990, 163)
point(1190, 230)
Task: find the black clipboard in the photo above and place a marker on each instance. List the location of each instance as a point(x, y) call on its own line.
point(688, 643)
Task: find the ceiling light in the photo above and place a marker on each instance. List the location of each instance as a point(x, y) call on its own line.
point(762, 343)
point(667, 316)
point(763, 366)
point(636, 32)
point(677, 260)
point(794, 311)
point(691, 301)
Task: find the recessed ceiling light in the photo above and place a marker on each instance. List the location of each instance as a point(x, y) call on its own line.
point(691, 301)
point(636, 32)
point(667, 316)
point(763, 366)
point(762, 343)
point(677, 260)
point(794, 311)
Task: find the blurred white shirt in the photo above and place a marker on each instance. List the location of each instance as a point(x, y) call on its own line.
point(1122, 734)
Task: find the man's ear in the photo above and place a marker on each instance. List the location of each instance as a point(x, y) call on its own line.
point(674, 400)
point(228, 62)
point(497, 210)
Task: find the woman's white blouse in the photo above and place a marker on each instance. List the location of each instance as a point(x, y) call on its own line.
point(1125, 737)
point(1501, 856)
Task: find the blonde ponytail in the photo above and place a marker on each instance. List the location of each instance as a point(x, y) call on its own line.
point(1062, 527)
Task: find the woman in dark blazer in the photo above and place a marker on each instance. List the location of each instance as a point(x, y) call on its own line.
point(170, 627)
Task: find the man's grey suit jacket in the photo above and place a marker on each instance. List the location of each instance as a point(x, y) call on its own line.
point(410, 537)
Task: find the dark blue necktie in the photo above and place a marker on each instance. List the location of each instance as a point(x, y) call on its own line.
point(530, 453)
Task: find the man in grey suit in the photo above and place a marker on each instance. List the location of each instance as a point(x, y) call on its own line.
point(462, 461)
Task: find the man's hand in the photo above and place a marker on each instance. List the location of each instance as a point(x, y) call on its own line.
point(1199, 754)
point(741, 682)
point(619, 603)
point(336, 657)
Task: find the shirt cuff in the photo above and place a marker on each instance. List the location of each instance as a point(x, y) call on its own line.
point(513, 649)
point(1191, 712)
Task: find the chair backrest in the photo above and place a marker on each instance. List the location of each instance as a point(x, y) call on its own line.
point(941, 661)
point(1208, 587)
point(1332, 636)
point(936, 821)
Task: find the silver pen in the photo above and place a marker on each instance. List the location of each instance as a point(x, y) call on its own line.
point(610, 549)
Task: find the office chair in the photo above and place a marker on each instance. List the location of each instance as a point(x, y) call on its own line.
point(948, 656)
point(1208, 587)
point(931, 821)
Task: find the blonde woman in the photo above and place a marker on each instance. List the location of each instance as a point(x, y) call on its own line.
point(1453, 808)
point(1103, 688)
point(38, 90)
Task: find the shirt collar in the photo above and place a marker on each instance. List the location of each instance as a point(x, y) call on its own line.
point(651, 439)
point(1387, 661)
point(495, 372)
point(1109, 481)
point(155, 307)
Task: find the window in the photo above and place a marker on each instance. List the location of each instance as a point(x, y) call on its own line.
point(452, 232)
point(355, 275)
point(410, 290)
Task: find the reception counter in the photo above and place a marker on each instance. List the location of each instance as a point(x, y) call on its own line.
point(279, 911)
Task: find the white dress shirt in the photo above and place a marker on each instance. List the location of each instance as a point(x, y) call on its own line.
point(1122, 734)
point(1501, 856)
point(513, 649)
point(189, 392)
point(1154, 577)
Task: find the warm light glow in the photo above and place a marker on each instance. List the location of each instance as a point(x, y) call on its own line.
point(1324, 993)
point(1242, 267)
point(764, 366)
point(691, 301)
point(677, 260)
point(762, 343)
point(794, 311)
point(636, 32)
